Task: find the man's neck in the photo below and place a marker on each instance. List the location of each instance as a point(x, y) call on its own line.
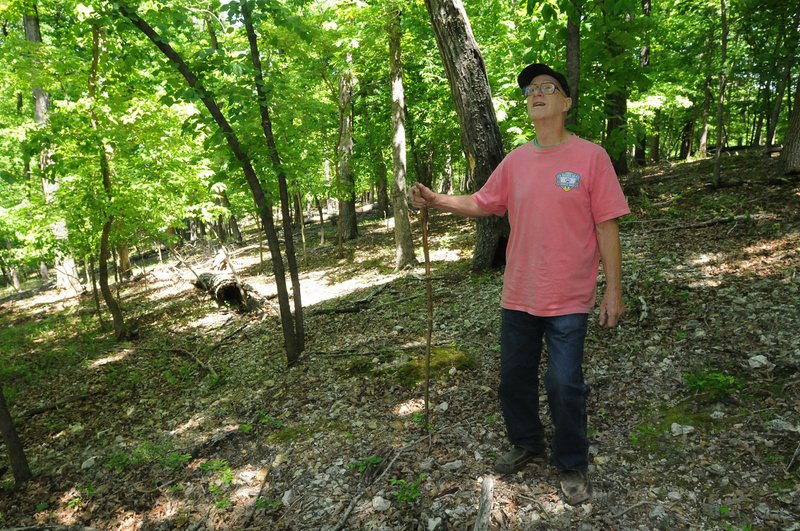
point(552, 135)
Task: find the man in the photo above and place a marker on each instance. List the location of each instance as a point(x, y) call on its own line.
point(563, 199)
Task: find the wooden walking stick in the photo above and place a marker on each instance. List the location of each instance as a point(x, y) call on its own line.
point(423, 217)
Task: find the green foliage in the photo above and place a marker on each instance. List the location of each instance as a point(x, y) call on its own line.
point(222, 479)
point(266, 419)
point(443, 359)
point(715, 384)
point(288, 434)
point(364, 464)
point(163, 455)
point(407, 491)
point(269, 504)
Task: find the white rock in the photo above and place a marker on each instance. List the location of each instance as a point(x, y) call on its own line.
point(760, 362)
point(279, 460)
point(678, 429)
point(451, 372)
point(658, 512)
point(453, 465)
point(781, 425)
point(434, 523)
point(381, 504)
point(442, 407)
point(288, 498)
point(717, 415)
point(89, 463)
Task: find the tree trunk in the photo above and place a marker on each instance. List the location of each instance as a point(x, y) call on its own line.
point(283, 189)
point(404, 245)
point(702, 148)
point(655, 139)
point(574, 60)
point(120, 329)
point(480, 134)
point(686, 140)
point(262, 205)
point(790, 155)
point(348, 222)
point(125, 267)
point(721, 96)
point(16, 454)
point(66, 270)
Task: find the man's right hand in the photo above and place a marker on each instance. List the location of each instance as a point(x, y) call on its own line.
point(421, 196)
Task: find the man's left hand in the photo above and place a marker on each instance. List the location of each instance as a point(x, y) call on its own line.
point(611, 309)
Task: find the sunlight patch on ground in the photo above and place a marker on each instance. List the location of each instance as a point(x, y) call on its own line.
point(120, 355)
point(763, 259)
point(409, 407)
point(194, 422)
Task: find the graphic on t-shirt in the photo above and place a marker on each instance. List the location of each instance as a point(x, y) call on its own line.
point(567, 180)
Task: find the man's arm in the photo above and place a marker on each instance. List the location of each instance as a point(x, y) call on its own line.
point(611, 306)
point(462, 205)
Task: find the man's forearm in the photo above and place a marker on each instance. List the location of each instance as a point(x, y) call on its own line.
point(462, 205)
point(610, 254)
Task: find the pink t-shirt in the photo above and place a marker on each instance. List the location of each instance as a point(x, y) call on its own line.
point(554, 198)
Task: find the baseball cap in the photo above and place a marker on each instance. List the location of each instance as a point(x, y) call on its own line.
point(537, 69)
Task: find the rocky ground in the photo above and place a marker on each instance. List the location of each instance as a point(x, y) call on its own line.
point(198, 424)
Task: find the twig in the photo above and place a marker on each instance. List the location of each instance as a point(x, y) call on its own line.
point(791, 462)
point(57, 404)
point(358, 496)
point(714, 221)
point(197, 360)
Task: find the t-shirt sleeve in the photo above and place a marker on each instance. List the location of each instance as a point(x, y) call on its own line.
point(493, 195)
point(606, 196)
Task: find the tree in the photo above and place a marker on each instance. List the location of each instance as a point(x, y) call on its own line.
point(721, 140)
point(404, 247)
point(292, 342)
point(266, 126)
point(19, 463)
point(348, 223)
point(66, 270)
point(790, 156)
point(480, 134)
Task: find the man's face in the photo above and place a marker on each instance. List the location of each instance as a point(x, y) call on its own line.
point(542, 105)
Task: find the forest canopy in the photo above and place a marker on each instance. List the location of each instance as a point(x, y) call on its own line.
point(648, 78)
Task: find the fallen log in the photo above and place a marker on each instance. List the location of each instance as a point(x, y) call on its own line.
point(226, 290)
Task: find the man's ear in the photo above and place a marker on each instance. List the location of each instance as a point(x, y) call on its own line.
point(567, 104)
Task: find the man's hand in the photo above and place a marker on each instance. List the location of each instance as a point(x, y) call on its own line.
point(421, 196)
point(611, 309)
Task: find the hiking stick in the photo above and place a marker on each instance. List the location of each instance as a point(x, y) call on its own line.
point(423, 216)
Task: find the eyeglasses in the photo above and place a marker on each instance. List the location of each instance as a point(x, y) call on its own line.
point(546, 88)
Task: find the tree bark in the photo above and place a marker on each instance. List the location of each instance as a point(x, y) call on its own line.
point(283, 189)
point(16, 453)
point(404, 245)
point(480, 134)
point(790, 155)
point(347, 201)
point(721, 96)
point(702, 148)
point(574, 60)
point(262, 204)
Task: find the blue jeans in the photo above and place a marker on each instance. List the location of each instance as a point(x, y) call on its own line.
point(520, 353)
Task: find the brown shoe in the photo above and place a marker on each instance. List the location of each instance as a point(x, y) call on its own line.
point(516, 459)
point(575, 486)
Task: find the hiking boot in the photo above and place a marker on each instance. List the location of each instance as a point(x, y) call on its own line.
point(575, 486)
point(516, 459)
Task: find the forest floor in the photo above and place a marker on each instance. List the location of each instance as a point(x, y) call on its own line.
point(694, 411)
